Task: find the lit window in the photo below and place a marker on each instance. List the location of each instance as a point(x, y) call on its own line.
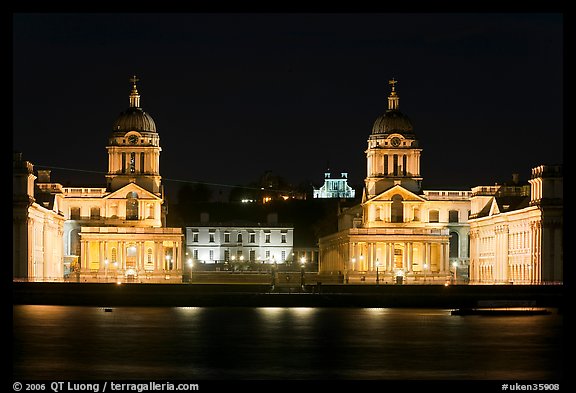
point(132, 162)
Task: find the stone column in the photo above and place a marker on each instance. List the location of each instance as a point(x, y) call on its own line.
point(441, 261)
point(101, 256)
point(122, 254)
point(409, 256)
point(84, 266)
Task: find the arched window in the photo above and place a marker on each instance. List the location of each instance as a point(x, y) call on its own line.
point(454, 243)
point(132, 206)
point(239, 238)
point(433, 216)
point(397, 209)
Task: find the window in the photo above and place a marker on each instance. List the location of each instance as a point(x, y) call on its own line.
point(252, 255)
point(397, 209)
point(211, 239)
point(195, 254)
point(74, 213)
point(433, 216)
point(94, 213)
point(239, 255)
point(252, 238)
point(385, 165)
point(226, 255)
point(454, 249)
point(211, 253)
point(123, 162)
point(239, 238)
point(132, 206)
point(404, 164)
point(395, 162)
point(283, 256)
point(141, 162)
point(195, 237)
point(267, 254)
point(453, 216)
point(267, 238)
point(226, 237)
point(283, 239)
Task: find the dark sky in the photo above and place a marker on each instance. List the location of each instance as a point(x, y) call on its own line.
point(234, 95)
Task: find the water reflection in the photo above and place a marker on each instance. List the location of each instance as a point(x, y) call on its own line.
point(281, 343)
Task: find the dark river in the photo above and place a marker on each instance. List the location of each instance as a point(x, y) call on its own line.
point(187, 343)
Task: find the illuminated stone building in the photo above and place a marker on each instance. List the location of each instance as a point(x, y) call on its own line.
point(335, 187)
point(37, 227)
point(516, 231)
point(118, 232)
point(399, 232)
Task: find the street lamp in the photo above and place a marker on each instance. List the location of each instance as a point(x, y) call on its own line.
point(190, 264)
point(377, 272)
point(455, 265)
point(302, 266)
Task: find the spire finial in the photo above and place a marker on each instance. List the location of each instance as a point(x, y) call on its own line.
point(393, 82)
point(134, 96)
point(393, 99)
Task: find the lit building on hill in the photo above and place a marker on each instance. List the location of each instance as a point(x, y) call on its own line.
point(335, 187)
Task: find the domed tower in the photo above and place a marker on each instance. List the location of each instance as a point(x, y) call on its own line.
point(393, 156)
point(134, 148)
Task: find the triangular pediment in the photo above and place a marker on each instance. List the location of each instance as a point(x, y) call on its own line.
point(132, 187)
point(386, 196)
point(494, 209)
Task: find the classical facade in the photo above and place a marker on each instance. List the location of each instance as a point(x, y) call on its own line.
point(399, 232)
point(335, 187)
point(118, 232)
point(516, 232)
point(37, 227)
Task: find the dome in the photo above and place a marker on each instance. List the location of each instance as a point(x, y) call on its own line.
point(134, 119)
point(392, 121)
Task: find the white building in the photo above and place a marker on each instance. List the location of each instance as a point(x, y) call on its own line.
point(37, 227)
point(240, 243)
point(399, 232)
point(516, 231)
point(335, 187)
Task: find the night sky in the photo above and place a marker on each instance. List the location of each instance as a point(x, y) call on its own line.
point(235, 95)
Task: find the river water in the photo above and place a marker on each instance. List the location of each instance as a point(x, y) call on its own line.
point(215, 343)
